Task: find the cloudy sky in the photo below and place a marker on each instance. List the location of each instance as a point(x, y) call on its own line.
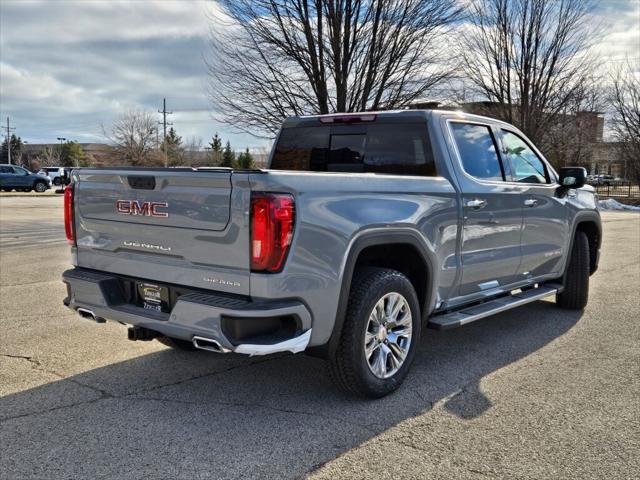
point(67, 67)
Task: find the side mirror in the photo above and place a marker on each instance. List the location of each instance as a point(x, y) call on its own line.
point(573, 177)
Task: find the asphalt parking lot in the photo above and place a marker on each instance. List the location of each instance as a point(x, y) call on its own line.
point(533, 393)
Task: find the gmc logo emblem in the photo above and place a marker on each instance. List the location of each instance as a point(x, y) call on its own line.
point(145, 209)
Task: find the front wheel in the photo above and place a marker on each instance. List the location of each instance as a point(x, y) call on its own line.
point(576, 283)
point(40, 187)
point(380, 335)
point(57, 181)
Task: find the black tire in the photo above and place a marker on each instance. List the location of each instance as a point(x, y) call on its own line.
point(57, 182)
point(348, 366)
point(40, 187)
point(177, 343)
point(576, 283)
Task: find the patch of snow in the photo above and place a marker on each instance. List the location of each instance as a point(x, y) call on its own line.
point(612, 204)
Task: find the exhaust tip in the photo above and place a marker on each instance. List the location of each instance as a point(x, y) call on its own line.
point(209, 344)
point(89, 315)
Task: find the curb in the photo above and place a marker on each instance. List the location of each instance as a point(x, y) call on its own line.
point(29, 194)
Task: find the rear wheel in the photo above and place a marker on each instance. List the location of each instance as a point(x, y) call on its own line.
point(176, 343)
point(57, 181)
point(576, 284)
point(40, 187)
point(380, 334)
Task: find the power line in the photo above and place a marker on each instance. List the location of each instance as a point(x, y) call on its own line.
point(9, 129)
point(164, 124)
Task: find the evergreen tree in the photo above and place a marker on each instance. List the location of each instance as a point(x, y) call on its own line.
point(228, 157)
point(215, 145)
point(16, 150)
point(245, 160)
point(72, 155)
point(173, 139)
point(172, 145)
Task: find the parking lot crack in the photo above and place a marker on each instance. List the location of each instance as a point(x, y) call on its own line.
point(256, 405)
point(49, 410)
point(204, 375)
point(22, 357)
point(37, 365)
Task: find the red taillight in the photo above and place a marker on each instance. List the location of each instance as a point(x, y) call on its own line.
point(68, 214)
point(272, 221)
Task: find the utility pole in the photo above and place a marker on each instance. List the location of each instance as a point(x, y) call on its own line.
point(164, 124)
point(9, 129)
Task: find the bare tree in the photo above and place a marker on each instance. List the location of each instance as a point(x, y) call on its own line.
point(625, 100)
point(193, 154)
point(133, 135)
point(531, 58)
point(276, 58)
point(49, 157)
point(571, 132)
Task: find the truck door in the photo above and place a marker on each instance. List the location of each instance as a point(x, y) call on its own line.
point(492, 211)
point(545, 227)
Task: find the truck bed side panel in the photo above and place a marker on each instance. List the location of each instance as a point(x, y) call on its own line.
point(334, 209)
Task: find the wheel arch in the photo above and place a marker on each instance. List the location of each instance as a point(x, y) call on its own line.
point(588, 222)
point(365, 250)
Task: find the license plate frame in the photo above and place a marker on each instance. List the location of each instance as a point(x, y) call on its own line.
point(154, 297)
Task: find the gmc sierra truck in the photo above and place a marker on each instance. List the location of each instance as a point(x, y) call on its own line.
point(365, 229)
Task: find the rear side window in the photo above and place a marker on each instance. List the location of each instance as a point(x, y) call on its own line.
point(401, 149)
point(477, 150)
point(6, 170)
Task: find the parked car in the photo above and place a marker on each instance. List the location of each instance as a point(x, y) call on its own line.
point(17, 178)
point(605, 179)
point(54, 173)
point(365, 229)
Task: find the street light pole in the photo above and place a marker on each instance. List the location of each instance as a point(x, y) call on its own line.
point(61, 139)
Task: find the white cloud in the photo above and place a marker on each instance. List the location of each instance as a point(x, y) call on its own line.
point(68, 66)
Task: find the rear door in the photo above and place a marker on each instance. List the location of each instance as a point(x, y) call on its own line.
point(492, 211)
point(178, 226)
point(21, 177)
point(544, 213)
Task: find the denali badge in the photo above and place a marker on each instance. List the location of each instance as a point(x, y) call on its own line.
point(220, 281)
point(145, 209)
point(148, 246)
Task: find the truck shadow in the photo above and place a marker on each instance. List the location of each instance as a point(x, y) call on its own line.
point(174, 414)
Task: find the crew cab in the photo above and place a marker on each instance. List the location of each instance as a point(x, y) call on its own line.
point(365, 230)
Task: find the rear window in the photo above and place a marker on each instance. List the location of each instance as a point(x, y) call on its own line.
point(477, 150)
point(400, 149)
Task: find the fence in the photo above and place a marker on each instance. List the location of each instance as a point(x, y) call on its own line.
point(618, 190)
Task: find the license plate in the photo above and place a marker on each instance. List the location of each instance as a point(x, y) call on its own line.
point(153, 297)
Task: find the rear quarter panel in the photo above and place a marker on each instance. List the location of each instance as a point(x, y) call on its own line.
point(332, 211)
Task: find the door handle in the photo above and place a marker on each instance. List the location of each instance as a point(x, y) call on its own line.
point(476, 204)
point(531, 202)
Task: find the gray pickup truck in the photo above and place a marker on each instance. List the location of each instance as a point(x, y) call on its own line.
point(365, 229)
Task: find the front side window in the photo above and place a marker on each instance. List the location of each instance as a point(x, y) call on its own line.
point(526, 165)
point(477, 150)
point(20, 171)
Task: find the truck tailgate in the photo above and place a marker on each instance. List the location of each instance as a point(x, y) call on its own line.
point(179, 226)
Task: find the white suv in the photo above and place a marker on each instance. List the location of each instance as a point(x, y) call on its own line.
point(54, 173)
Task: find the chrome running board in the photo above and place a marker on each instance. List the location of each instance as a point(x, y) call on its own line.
point(476, 312)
